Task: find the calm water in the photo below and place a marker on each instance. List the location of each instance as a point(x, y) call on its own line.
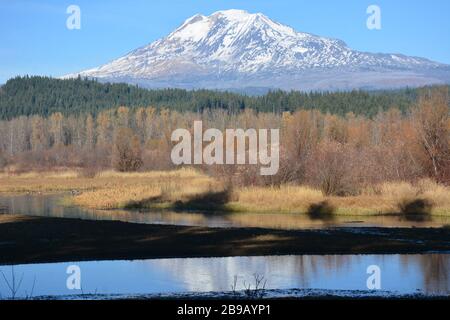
point(399, 273)
point(50, 206)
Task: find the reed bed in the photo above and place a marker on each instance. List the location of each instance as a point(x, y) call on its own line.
point(166, 189)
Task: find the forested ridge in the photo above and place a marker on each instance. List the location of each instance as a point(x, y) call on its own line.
point(44, 96)
point(349, 152)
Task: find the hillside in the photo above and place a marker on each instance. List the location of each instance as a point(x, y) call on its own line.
point(44, 96)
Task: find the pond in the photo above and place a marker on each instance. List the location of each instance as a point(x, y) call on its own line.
point(51, 206)
point(401, 274)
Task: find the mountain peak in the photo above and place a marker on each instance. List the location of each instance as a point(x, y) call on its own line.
point(237, 15)
point(232, 13)
point(199, 26)
point(235, 47)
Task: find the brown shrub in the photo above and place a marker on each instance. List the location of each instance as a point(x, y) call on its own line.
point(321, 211)
point(331, 169)
point(126, 151)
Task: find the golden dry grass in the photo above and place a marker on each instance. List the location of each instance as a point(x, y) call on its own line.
point(300, 198)
point(109, 190)
point(276, 199)
point(393, 195)
point(124, 190)
point(162, 189)
point(43, 182)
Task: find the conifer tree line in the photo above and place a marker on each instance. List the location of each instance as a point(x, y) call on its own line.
point(26, 96)
point(339, 154)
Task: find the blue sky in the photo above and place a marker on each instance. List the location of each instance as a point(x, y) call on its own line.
point(34, 39)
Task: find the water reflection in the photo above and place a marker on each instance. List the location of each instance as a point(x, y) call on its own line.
point(399, 273)
point(50, 205)
point(436, 273)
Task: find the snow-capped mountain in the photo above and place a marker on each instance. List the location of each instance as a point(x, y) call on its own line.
point(236, 49)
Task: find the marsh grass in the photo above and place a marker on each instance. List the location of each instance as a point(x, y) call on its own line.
point(277, 199)
point(187, 189)
point(419, 200)
point(146, 190)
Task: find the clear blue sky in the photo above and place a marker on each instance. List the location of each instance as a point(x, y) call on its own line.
point(34, 39)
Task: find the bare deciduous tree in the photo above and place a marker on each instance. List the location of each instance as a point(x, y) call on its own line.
point(126, 151)
point(431, 120)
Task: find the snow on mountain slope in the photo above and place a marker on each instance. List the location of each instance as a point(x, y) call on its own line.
point(234, 48)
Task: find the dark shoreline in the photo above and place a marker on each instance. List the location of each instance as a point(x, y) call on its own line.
point(267, 295)
point(39, 240)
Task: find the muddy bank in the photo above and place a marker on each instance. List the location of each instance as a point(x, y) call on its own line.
point(37, 239)
point(273, 294)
